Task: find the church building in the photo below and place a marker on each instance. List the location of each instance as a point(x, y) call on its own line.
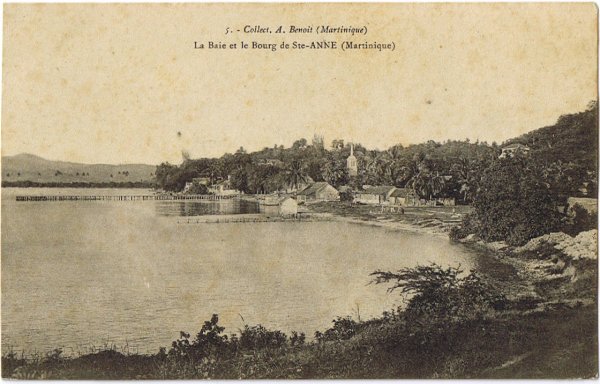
point(351, 163)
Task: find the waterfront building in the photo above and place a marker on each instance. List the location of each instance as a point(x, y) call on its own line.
point(404, 196)
point(319, 191)
point(375, 195)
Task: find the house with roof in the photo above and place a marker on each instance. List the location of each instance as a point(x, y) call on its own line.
point(405, 197)
point(196, 181)
point(290, 188)
point(512, 149)
point(374, 195)
point(223, 188)
point(319, 191)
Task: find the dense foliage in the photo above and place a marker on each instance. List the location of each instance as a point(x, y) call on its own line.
point(514, 203)
point(523, 196)
point(433, 169)
point(569, 147)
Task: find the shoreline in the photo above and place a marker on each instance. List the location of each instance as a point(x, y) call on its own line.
point(252, 218)
point(394, 226)
point(423, 220)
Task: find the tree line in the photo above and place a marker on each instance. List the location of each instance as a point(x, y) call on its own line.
point(564, 155)
point(432, 168)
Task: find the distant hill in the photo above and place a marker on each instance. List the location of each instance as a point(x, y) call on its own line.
point(573, 139)
point(27, 167)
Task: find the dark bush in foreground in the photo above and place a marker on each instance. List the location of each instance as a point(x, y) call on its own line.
point(258, 337)
point(468, 226)
point(441, 293)
point(343, 328)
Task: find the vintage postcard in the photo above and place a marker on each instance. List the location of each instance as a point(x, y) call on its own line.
point(299, 191)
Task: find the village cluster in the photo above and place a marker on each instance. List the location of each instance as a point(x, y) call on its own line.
point(312, 192)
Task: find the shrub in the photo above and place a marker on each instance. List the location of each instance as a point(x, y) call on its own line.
point(343, 329)
point(258, 337)
point(297, 339)
point(198, 189)
point(468, 226)
point(208, 342)
point(581, 220)
point(10, 363)
point(347, 195)
point(439, 293)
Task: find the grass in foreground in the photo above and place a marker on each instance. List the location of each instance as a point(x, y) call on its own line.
point(552, 344)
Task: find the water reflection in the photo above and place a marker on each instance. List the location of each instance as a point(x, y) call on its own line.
point(201, 208)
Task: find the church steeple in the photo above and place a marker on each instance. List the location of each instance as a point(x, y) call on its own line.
point(351, 162)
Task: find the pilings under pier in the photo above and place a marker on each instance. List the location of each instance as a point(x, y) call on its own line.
point(124, 197)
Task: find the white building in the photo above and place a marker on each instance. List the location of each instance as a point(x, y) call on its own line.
point(288, 207)
point(351, 162)
point(512, 149)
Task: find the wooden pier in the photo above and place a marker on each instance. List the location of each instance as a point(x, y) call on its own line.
point(125, 197)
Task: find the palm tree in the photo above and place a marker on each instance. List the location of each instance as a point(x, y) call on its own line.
point(427, 184)
point(393, 159)
point(418, 183)
point(295, 174)
point(435, 184)
point(462, 172)
point(335, 172)
point(214, 170)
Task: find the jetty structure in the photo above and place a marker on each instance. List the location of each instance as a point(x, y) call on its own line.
point(123, 197)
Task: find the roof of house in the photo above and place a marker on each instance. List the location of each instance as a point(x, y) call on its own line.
point(515, 146)
point(314, 188)
point(275, 162)
point(379, 190)
point(286, 198)
point(588, 203)
point(402, 192)
point(201, 180)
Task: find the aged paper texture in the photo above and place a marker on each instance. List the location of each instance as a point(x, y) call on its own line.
point(310, 190)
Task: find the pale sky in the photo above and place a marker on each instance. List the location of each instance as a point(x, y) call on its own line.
point(122, 83)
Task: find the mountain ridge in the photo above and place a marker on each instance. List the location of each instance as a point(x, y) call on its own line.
point(30, 167)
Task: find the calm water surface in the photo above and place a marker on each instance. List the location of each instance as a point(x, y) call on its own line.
point(81, 274)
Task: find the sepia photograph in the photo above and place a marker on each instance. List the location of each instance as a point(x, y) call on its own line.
point(299, 191)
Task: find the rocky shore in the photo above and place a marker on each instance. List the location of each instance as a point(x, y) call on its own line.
point(556, 269)
point(551, 270)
